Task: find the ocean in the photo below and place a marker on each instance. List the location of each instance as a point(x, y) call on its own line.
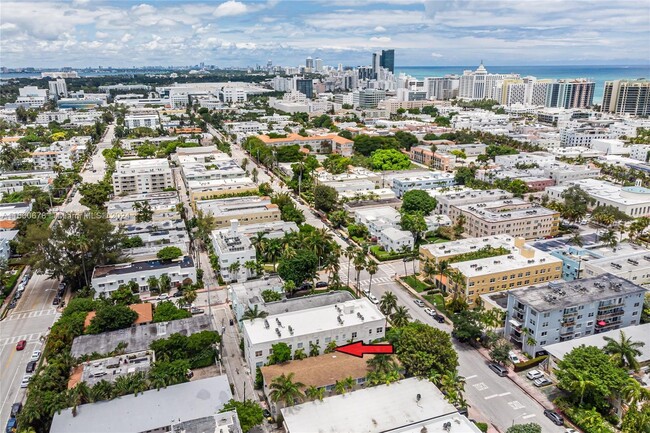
point(599, 74)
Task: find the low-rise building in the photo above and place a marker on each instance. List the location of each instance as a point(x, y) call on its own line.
point(246, 210)
point(394, 239)
point(631, 200)
point(312, 330)
point(524, 266)
point(214, 188)
point(60, 153)
point(247, 294)
point(427, 181)
point(107, 279)
point(136, 176)
point(634, 266)
point(271, 230)
point(406, 406)
point(6, 236)
point(10, 212)
point(132, 121)
point(560, 311)
point(514, 216)
point(164, 208)
point(610, 146)
point(449, 202)
point(436, 160)
point(191, 406)
point(11, 182)
point(448, 250)
point(235, 251)
point(330, 143)
point(640, 152)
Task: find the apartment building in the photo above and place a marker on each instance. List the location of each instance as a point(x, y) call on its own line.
point(640, 152)
point(627, 97)
point(448, 250)
point(60, 153)
point(136, 176)
point(560, 311)
point(515, 217)
point(632, 200)
point(436, 160)
point(426, 181)
point(247, 210)
point(234, 250)
point(449, 202)
point(11, 182)
point(107, 279)
point(132, 121)
point(330, 143)
point(164, 206)
point(583, 136)
point(634, 267)
point(312, 329)
point(525, 265)
point(213, 188)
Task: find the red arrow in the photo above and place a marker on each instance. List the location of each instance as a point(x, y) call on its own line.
point(359, 348)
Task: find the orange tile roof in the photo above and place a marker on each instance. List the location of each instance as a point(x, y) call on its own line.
point(144, 311)
point(7, 224)
point(75, 377)
point(296, 137)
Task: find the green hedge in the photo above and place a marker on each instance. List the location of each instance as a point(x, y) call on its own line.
point(416, 284)
point(530, 363)
point(482, 426)
point(382, 255)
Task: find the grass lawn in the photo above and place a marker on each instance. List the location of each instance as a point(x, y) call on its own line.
point(436, 300)
point(433, 240)
point(416, 284)
point(382, 255)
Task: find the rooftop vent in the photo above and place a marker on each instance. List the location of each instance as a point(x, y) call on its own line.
point(340, 320)
point(277, 331)
point(290, 330)
point(266, 324)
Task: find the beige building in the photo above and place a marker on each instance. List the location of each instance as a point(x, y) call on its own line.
point(137, 176)
point(247, 210)
point(330, 143)
point(514, 216)
point(524, 266)
point(448, 250)
point(213, 188)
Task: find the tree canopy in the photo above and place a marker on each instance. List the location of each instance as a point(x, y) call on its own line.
point(249, 412)
point(389, 159)
point(169, 253)
point(418, 201)
point(325, 198)
point(299, 268)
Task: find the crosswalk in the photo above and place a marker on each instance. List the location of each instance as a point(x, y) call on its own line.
point(14, 340)
point(376, 281)
point(30, 314)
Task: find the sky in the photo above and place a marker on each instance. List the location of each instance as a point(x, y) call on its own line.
point(127, 33)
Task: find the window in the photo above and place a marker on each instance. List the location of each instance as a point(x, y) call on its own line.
point(532, 322)
point(354, 335)
point(258, 353)
point(635, 313)
point(299, 345)
point(590, 314)
point(543, 334)
point(328, 339)
point(380, 330)
point(579, 316)
point(590, 323)
point(543, 342)
point(545, 325)
point(369, 331)
point(636, 304)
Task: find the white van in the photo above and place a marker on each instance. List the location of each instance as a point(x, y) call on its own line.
point(513, 357)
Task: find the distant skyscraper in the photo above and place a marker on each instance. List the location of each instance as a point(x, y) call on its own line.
point(58, 89)
point(387, 60)
point(318, 65)
point(480, 84)
point(306, 87)
point(309, 64)
point(627, 97)
point(577, 93)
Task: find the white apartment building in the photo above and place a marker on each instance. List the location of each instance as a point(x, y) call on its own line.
point(640, 152)
point(584, 136)
point(233, 247)
point(246, 210)
point(233, 94)
point(632, 200)
point(132, 121)
point(449, 202)
point(163, 205)
point(610, 146)
point(394, 239)
point(383, 223)
point(6, 236)
point(634, 267)
point(427, 181)
point(11, 182)
point(60, 153)
point(515, 217)
point(313, 328)
point(561, 311)
point(58, 88)
point(479, 84)
point(448, 250)
point(136, 176)
point(31, 96)
point(107, 279)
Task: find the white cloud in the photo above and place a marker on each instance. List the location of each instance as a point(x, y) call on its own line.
point(380, 29)
point(143, 9)
point(126, 37)
point(230, 8)
point(101, 35)
point(436, 55)
point(380, 39)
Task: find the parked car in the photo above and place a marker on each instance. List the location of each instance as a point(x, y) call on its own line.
point(15, 409)
point(21, 345)
point(418, 302)
point(513, 357)
point(56, 300)
point(542, 381)
point(366, 291)
point(31, 366)
point(163, 297)
point(305, 286)
point(439, 318)
point(25, 381)
point(554, 416)
point(570, 430)
point(36, 355)
point(267, 415)
point(429, 311)
point(373, 299)
point(534, 374)
point(498, 369)
point(12, 304)
point(195, 310)
point(12, 425)
point(321, 284)
point(177, 294)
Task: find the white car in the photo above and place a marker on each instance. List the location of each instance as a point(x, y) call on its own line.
point(25, 381)
point(513, 357)
point(418, 302)
point(36, 355)
point(429, 311)
point(366, 291)
point(534, 374)
point(373, 299)
point(163, 297)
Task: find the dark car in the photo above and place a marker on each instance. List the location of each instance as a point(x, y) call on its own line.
point(267, 415)
point(12, 425)
point(12, 304)
point(321, 284)
point(498, 369)
point(177, 294)
point(305, 286)
point(439, 318)
point(554, 416)
point(31, 366)
point(15, 409)
point(56, 301)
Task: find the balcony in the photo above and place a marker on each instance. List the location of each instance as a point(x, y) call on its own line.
point(609, 306)
point(607, 314)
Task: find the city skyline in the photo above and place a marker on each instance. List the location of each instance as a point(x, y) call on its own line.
point(129, 33)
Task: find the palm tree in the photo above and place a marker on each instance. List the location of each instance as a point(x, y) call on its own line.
point(299, 354)
point(443, 269)
point(254, 313)
point(388, 303)
point(153, 284)
point(314, 349)
point(285, 390)
point(400, 317)
point(251, 266)
point(350, 253)
point(624, 351)
point(314, 393)
point(343, 386)
point(259, 242)
point(103, 390)
point(273, 249)
point(331, 347)
point(429, 269)
point(78, 395)
point(405, 250)
point(580, 384)
point(234, 270)
point(332, 264)
point(372, 269)
point(339, 387)
point(359, 265)
point(382, 363)
point(576, 239)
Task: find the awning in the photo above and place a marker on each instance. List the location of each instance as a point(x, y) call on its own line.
point(602, 323)
point(514, 323)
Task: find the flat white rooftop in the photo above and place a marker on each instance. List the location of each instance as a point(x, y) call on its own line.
point(508, 262)
point(506, 210)
point(313, 320)
point(598, 189)
point(469, 245)
point(376, 409)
